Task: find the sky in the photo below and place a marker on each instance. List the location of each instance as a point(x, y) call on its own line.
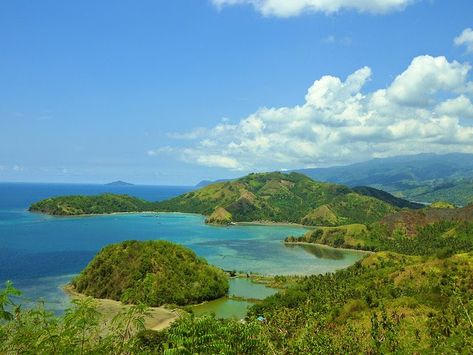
point(172, 92)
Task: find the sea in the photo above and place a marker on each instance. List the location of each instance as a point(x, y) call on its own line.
point(40, 253)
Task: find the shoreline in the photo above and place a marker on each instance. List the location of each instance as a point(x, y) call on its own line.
point(330, 247)
point(158, 318)
point(274, 224)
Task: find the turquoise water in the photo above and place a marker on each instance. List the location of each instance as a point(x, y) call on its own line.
point(40, 253)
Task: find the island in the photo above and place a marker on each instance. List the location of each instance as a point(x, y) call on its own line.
point(119, 183)
point(153, 273)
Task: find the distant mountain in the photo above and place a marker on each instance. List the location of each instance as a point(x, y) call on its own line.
point(204, 183)
point(119, 183)
point(421, 177)
point(279, 197)
point(387, 197)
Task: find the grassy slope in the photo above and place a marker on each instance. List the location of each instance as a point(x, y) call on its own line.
point(429, 231)
point(280, 197)
point(386, 303)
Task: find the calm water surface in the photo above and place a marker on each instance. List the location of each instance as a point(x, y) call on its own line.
point(40, 253)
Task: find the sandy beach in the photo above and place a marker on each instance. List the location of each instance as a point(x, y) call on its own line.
point(158, 319)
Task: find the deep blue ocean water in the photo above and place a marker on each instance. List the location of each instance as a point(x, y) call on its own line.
point(40, 253)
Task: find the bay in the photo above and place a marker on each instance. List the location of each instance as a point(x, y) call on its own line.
point(40, 253)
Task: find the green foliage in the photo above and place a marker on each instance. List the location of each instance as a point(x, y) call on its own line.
point(387, 303)
point(348, 236)
point(81, 330)
point(207, 335)
point(441, 204)
point(432, 231)
point(279, 197)
point(82, 205)
point(152, 273)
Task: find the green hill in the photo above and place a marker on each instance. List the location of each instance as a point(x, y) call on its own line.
point(430, 231)
point(387, 197)
point(82, 205)
point(279, 197)
point(151, 272)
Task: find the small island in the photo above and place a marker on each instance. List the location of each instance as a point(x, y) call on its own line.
point(119, 183)
point(153, 273)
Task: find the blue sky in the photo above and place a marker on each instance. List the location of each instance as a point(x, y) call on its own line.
point(173, 92)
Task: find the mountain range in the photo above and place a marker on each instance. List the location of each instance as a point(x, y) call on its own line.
point(422, 177)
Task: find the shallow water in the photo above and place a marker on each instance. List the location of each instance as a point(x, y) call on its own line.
point(230, 308)
point(40, 253)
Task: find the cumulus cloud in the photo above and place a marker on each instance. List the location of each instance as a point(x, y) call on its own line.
point(285, 8)
point(425, 77)
point(460, 107)
point(425, 109)
point(465, 39)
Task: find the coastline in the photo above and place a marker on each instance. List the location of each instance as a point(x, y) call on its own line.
point(275, 224)
point(244, 223)
point(158, 318)
point(330, 247)
point(110, 214)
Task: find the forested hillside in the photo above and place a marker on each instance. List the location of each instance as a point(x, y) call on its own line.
point(151, 273)
point(279, 197)
point(82, 205)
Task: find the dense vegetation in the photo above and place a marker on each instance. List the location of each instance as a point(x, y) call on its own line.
point(280, 197)
point(414, 294)
point(431, 231)
point(387, 303)
point(152, 273)
point(82, 205)
point(423, 177)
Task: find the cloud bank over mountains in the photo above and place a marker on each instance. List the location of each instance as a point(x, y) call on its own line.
point(284, 8)
point(426, 108)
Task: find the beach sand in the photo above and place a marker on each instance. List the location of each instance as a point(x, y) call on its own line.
point(159, 317)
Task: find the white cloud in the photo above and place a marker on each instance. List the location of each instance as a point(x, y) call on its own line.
point(422, 110)
point(219, 161)
point(466, 39)
point(460, 107)
point(425, 77)
point(288, 8)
